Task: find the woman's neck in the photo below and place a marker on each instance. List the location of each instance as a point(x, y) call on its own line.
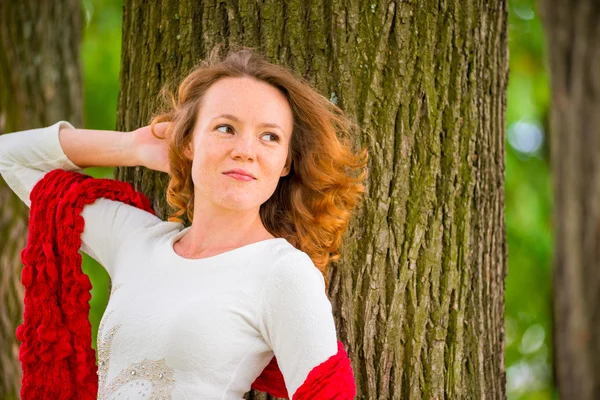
point(214, 235)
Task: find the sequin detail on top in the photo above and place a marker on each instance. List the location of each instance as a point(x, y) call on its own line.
point(151, 379)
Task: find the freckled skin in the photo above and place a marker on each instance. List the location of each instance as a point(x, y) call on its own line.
point(244, 144)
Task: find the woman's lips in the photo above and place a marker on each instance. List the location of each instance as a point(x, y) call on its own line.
point(240, 177)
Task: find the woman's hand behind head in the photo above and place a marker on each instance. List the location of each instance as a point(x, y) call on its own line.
point(152, 151)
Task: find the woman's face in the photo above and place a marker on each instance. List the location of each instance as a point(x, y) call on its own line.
point(245, 124)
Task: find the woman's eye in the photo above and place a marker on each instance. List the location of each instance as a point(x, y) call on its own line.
point(223, 126)
point(274, 136)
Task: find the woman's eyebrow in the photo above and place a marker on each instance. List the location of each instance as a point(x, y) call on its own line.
point(236, 119)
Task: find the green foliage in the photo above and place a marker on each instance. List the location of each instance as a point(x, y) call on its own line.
point(101, 57)
point(528, 211)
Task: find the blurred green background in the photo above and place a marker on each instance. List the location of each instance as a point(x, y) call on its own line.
point(528, 189)
point(100, 54)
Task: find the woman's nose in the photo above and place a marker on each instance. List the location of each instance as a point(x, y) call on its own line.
point(244, 146)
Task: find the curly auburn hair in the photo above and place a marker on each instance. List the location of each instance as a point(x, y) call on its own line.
point(312, 205)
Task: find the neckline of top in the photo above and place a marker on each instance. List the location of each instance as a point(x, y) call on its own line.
point(224, 255)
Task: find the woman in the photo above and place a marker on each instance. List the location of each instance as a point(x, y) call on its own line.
point(262, 166)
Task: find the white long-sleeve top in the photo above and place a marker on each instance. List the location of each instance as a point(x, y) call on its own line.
point(186, 328)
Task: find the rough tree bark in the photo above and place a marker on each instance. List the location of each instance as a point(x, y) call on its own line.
point(419, 294)
point(40, 83)
point(573, 31)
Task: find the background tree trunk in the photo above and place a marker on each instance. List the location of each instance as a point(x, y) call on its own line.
point(573, 35)
point(40, 84)
point(419, 294)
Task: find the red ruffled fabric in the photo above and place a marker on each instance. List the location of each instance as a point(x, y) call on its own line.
point(56, 355)
point(333, 379)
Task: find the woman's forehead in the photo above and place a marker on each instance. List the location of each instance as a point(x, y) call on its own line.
point(247, 100)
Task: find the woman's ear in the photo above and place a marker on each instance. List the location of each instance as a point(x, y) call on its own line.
point(188, 152)
point(287, 168)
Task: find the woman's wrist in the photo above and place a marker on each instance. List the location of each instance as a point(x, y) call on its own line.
point(129, 151)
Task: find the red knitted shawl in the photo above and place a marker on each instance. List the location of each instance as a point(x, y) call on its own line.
point(57, 358)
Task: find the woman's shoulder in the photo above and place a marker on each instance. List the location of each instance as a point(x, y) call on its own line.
point(294, 267)
point(294, 285)
point(136, 221)
point(122, 213)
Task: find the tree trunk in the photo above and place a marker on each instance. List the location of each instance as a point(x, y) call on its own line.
point(419, 294)
point(574, 59)
point(40, 84)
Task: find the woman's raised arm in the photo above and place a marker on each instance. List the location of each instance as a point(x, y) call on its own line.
point(97, 148)
point(26, 156)
point(88, 148)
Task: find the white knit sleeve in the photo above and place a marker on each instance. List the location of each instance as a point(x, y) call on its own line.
point(26, 156)
point(296, 319)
